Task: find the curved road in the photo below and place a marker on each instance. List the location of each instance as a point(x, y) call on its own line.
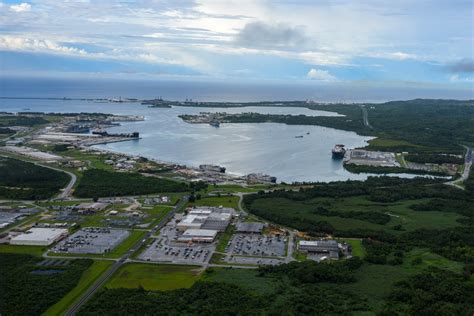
point(66, 192)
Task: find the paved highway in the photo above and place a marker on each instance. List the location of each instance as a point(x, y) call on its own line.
point(103, 279)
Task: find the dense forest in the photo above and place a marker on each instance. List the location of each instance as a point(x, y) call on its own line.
point(25, 290)
point(26, 181)
point(99, 183)
point(386, 170)
point(436, 159)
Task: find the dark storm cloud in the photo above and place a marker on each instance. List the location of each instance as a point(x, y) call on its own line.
point(262, 35)
point(462, 66)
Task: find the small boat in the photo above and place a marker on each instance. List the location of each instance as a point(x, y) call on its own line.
point(215, 123)
point(307, 133)
point(299, 136)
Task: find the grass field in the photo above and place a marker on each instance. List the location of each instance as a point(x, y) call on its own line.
point(155, 277)
point(400, 213)
point(384, 142)
point(87, 279)
point(225, 201)
point(29, 250)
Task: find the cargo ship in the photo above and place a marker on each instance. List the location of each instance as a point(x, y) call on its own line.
point(338, 151)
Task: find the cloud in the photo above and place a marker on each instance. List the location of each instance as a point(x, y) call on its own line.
point(321, 75)
point(465, 65)
point(275, 36)
point(22, 7)
point(36, 45)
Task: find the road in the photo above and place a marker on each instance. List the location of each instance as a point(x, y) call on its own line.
point(467, 164)
point(66, 192)
point(105, 277)
point(365, 117)
point(468, 160)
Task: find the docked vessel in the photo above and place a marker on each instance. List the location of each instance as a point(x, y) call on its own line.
point(338, 151)
point(212, 168)
point(215, 123)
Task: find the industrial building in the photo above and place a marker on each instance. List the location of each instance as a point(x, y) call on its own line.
point(250, 228)
point(206, 218)
point(198, 235)
point(39, 236)
point(328, 248)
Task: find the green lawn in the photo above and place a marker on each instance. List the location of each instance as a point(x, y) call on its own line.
point(300, 256)
point(30, 250)
point(88, 278)
point(154, 277)
point(384, 142)
point(225, 201)
point(238, 188)
point(225, 237)
point(358, 249)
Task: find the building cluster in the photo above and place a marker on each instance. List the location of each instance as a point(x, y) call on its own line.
point(162, 199)
point(90, 208)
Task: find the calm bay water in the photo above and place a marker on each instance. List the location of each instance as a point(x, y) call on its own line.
point(242, 148)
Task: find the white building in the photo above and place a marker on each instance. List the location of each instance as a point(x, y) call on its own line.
point(198, 235)
point(39, 236)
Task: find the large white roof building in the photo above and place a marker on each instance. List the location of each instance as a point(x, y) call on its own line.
point(39, 236)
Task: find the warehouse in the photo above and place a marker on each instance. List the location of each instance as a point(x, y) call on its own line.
point(325, 247)
point(198, 235)
point(250, 228)
point(39, 237)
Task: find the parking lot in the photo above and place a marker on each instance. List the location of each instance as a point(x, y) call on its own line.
point(92, 240)
point(257, 245)
point(253, 260)
point(159, 250)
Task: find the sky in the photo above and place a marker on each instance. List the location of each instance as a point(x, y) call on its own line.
point(372, 42)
